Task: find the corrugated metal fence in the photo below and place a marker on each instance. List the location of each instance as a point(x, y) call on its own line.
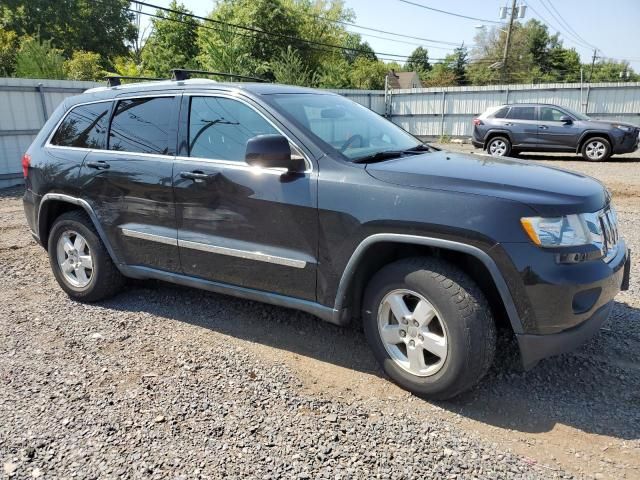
point(25, 104)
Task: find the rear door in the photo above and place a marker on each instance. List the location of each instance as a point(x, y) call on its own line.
point(129, 184)
point(521, 121)
point(238, 224)
point(555, 134)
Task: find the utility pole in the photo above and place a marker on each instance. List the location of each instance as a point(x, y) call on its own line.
point(508, 41)
point(593, 62)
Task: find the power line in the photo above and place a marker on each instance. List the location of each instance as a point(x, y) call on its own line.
point(484, 20)
point(577, 42)
point(262, 32)
point(569, 27)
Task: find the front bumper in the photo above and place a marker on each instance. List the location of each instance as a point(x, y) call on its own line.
point(564, 304)
point(627, 143)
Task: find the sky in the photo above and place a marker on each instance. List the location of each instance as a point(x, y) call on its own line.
point(613, 26)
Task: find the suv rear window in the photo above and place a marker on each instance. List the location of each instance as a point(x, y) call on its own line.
point(522, 113)
point(84, 126)
point(142, 125)
point(501, 113)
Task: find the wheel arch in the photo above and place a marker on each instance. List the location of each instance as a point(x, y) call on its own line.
point(53, 205)
point(592, 134)
point(496, 133)
point(380, 249)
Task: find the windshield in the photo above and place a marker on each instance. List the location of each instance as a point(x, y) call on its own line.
point(579, 116)
point(345, 126)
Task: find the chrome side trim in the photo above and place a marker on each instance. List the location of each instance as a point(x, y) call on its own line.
point(487, 261)
point(232, 252)
point(149, 236)
point(325, 313)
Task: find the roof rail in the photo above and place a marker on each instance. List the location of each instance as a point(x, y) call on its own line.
point(183, 74)
point(115, 80)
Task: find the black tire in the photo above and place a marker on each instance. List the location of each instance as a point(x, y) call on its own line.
point(466, 317)
point(496, 141)
point(589, 143)
point(105, 280)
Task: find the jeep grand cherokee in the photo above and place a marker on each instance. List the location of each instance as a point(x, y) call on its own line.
point(304, 199)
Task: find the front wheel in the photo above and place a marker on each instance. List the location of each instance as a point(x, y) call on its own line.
point(596, 149)
point(429, 326)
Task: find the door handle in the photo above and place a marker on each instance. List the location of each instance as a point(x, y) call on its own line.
point(543, 127)
point(99, 165)
point(509, 124)
point(197, 175)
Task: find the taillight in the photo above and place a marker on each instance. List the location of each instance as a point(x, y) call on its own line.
point(26, 162)
point(477, 121)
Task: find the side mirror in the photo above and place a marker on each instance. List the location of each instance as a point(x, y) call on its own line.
point(566, 119)
point(269, 151)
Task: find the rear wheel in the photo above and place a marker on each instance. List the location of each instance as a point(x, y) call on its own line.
point(499, 147)
point(429, 326)
point(79, 260)
point(596, 149)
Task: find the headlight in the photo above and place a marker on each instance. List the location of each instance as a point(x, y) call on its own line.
point(569, 230)
point(624, 128)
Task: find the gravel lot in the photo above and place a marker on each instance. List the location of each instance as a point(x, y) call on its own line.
point(167, 381)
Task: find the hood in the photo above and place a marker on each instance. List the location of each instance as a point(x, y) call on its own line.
point(595, 123)
point(550, 191)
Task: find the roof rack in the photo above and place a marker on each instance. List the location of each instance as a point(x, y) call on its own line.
point(115, 80)
point(183, 74)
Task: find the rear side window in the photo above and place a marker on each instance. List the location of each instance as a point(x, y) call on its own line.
point(142, 125)
point(522, 113)
point(219, 128)
point(501, 113)
point(84, 126)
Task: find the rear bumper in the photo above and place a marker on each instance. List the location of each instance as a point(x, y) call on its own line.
point(477, 143)
point(534, 348)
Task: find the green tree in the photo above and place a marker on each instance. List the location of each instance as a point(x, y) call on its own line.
point(172, 42)
point(101, 26)
point(334, 73)
point(458, 62)
point(355, 48)
point(441, 75)
point(38, 59)
point(609, 71)
point(291, 70)
point(367, 74)
point(418, 61)
point(84, 66)
point(225, 50)
point(8, 47)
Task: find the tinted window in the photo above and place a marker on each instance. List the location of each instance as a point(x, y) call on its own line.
point(84, 127)
point(501, 113)
point(219, 128)
point(548, 114)
point(522, 113)
point(141, 125)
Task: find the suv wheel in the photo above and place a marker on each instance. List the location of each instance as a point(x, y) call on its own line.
point(429, 326)
point(596, 149)
point(499, 147)
point(79, 260)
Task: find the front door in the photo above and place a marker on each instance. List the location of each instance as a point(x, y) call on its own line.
point(555, 134)
point(237, 224)
point(129, 184)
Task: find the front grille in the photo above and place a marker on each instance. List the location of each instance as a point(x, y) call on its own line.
point(610, 235)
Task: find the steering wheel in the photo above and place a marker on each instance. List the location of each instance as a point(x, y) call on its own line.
point(350, 140)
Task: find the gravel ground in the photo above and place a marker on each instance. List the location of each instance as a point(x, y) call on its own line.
point(167, 381)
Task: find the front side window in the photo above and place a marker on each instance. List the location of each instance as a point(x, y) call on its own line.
point(548, 114)
point(522, 113)
point(219, 128)
point(84, 127)
point(142, 125)
point(343, 125)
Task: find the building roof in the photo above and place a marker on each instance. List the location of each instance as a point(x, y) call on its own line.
point(404, 79)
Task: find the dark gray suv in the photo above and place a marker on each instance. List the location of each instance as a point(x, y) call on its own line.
point(509, 129)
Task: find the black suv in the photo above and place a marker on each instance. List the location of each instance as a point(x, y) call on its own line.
point(305, 199)
point(510, 129)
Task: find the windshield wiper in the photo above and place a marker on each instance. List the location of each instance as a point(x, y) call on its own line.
point(387, 154)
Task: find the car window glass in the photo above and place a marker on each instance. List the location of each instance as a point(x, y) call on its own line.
point(501, 113)
point(219, 128)
point(548, 114)
point(141, 125)
point(522, 113)
point(84, 127)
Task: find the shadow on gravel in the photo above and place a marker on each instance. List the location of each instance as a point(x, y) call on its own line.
point(594, 389)
point(575, 158)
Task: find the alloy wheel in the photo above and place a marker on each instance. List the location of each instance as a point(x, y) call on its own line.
point(412, 332)
point(498, 148)
point(74, 259)
point(595, 150)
